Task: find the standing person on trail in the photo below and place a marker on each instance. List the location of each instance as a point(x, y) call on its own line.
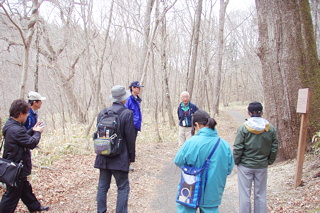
point(17, 145)
point(255, 148)
point(35, 101)
point(195, 151)
point(133, 103)
point(185, 111)
point(117, 166)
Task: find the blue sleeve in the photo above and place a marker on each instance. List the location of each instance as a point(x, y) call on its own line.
point(27, 124)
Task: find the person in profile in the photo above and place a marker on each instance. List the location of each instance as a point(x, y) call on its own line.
point(133, 103)
point(195, 151)
point(255, 147)
point(35, 101)
point(17, 146)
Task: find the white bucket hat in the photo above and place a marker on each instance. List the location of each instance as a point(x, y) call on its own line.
point(119, 93)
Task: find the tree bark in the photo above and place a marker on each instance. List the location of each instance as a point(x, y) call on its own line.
point(288, 63)
point(194, 53)
point(217, 76)
point(166, 73)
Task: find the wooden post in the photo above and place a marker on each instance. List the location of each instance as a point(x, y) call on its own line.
point(303, 108)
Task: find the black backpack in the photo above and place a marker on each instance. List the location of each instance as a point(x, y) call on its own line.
point(107, 139)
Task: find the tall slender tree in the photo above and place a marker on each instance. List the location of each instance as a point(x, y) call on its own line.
point(217, 76)
point(194, 52)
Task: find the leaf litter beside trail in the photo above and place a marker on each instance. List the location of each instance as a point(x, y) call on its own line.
point(64, 178)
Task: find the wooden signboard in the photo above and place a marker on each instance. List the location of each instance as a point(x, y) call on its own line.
point(303, 108)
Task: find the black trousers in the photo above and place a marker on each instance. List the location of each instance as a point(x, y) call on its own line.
point(12, 196)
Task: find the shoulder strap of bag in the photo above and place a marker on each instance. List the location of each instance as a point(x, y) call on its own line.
point(207, 163)
point(213, 150)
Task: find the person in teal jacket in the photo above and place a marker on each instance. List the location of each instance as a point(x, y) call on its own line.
point(194, 153)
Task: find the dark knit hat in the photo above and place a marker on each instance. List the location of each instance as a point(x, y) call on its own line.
point(255, 108)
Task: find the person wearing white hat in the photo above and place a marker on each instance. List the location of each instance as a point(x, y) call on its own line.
point(35, 101)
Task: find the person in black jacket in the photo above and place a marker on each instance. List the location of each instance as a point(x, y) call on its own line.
point(117, 166)
point(18, 142)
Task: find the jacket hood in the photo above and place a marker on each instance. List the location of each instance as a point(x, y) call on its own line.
point(257, 125)
point(10, 122)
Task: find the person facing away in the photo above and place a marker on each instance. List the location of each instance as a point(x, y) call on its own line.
point(185, 111)
point(35, 101)
point(255, 148)
point(117, 166)
point(195, 151)
point(17, 145)
point(133, 103)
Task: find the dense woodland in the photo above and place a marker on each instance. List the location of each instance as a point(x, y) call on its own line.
point(74, 51)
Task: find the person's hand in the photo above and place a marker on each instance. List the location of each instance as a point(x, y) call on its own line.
point(38, 127)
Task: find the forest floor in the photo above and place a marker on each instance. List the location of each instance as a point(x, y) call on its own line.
point(69, 182)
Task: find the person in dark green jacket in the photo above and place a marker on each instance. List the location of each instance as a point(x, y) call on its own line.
point(255, 148)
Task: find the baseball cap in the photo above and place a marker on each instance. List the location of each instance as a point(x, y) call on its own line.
point(34, 96)
point(135, 84)
point(255, 108)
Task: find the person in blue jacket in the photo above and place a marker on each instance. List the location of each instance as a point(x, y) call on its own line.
point(185, 112)
point(35, 101)
point(133, 103)
point(194, 153)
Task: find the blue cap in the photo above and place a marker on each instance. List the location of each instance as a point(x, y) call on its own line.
point(135, 84)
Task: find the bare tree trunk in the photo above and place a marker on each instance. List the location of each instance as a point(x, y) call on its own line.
point(157, 137)
point(166, 73)
point(194, 54)
point(288, 55)
point(36, 71)
point(97, 79)
point(26, 39)
point(217, 79)
point(27, 43)
point(146, 36)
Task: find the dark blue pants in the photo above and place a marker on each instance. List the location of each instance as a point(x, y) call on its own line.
point(12, 196)
point(122, 182)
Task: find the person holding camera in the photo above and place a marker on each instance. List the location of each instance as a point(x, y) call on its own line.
point(17, 146)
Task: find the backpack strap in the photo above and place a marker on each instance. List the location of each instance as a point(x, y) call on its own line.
point(2, 141)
